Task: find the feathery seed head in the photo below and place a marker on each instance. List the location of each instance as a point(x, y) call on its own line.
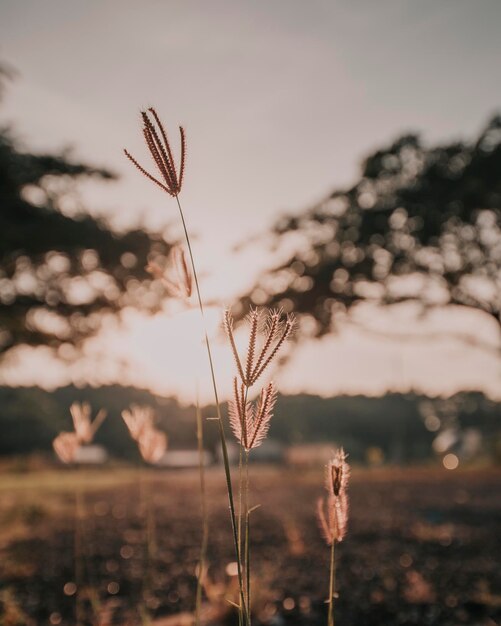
point(332, 512)
point(85, 428)
point(170, 179)
point(152, 445)
point(177, 279)
point(66, 446)
point(249, 421)
point(228, 328)
point(138, 420)
point(241, 414)
point(275, 331)
point(337, 473)
point(264, 413)
point(80, 414)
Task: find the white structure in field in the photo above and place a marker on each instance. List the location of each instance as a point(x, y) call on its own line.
point(91, 455)
point(184, 459)
point(270, 451)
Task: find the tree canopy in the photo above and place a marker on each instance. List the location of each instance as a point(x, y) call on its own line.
point(60, 271)
point(421, 224)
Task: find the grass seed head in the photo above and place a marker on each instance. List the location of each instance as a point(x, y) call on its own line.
point(66, 446)
point(332, 511)
point(152, 445)
point(81, 415)
point(176, 278)
point(275, 331)
point(138, 419)
point(170, 178)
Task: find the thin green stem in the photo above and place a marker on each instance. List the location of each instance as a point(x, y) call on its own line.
point(222, 435)
point(247, 536)
point(144, 524)
point(78, 555)
point(332, 585)
point(240, 489)
point(148, 530)
point(205, 521)
point(150, 533)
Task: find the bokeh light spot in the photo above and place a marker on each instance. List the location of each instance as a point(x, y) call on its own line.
point(450, 461)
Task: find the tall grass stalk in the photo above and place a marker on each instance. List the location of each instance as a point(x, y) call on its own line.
point(247, 535)
point(222, 435)
point(144, 506)
point(171, 180)
point(243, 511)
point(78, 555)
point(332, 585)
point(202, 566)
point(148, 509)
point(332, 515)
point(250, 420)
point(66, 445)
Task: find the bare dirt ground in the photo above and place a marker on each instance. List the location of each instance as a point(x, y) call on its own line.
point(423, 547)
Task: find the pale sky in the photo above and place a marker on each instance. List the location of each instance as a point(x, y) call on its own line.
point(281, 100)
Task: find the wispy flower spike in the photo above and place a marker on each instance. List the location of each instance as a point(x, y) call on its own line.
point(179, 281)
point(144, 172)
point(228, 327)
point(98, 420)
point(241, 414)
point(138, 420)
point(272, 330)
point(183, 156)
point(169, 159)
point(325, 526)
point(249, 424)
point(287, 331)
point(334, 524)
point(337, 474)
point(254, 319)
point(66, 446)
point(80, 414)
point(183, 271)
point(264, 414)
point(163, 160)
point(160, 149)
point(276, 334)
point(152, 445)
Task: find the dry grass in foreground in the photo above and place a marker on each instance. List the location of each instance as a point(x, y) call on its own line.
point(423, 548)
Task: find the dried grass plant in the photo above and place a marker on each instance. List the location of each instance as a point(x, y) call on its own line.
point(332, 512)
point(250, 421)
point(169, 177)
point(66, 446)
point(152, 445)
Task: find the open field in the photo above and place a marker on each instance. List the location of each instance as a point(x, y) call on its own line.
point(423, 547)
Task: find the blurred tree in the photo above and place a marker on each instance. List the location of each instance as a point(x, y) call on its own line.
point(395, 423)
point(61, 269)
point(421, 224)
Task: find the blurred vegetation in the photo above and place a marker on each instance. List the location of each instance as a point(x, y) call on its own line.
point(394, 424)
point(421, 224)
point(62, 270)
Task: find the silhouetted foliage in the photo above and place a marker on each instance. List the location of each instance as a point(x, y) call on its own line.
point(421, 224)
point(30, 418)
point(61, 270)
